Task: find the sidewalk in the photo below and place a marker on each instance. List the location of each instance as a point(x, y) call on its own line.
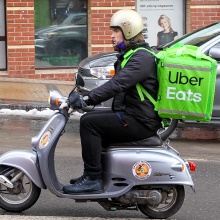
point(27, 94)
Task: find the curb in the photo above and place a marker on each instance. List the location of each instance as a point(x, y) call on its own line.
point(196, 131)
point(26, 107)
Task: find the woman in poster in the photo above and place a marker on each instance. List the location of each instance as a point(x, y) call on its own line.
point(167, 35)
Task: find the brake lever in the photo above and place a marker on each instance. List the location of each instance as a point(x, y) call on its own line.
point(63, 105)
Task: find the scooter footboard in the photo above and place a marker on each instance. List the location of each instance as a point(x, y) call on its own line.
point(26, 161)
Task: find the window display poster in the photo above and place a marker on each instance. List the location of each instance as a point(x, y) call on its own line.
point(164, 20)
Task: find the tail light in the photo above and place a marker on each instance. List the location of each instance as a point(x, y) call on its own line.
point(192, 166)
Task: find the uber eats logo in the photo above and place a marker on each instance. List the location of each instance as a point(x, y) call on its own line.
point(179, 78)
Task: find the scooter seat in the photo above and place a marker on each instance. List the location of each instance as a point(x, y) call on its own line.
point(153, 141)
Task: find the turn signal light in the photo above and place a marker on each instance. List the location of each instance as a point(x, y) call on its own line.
point(112, 72)
point(192, 166)
point(57, 101)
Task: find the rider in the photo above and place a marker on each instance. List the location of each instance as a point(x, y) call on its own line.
point(130, 118)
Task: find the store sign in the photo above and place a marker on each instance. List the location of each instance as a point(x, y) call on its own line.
point(164, 20)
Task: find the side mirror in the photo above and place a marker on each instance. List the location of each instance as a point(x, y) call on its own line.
point(215, 53)
point(79, 80)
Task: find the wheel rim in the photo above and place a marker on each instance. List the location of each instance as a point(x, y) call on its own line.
point(168, 200)
point(19, 194)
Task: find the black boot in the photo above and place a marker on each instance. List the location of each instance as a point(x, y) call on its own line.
point(84, 184)
point(72, 181)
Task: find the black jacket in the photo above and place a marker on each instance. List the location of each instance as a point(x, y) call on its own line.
point(141, 68)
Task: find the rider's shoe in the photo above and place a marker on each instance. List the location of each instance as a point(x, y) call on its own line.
point(84, 184)
point(73, 181)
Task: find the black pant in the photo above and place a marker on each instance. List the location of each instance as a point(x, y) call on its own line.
point(97, 126)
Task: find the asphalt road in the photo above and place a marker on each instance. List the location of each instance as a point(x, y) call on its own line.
point(16, 132)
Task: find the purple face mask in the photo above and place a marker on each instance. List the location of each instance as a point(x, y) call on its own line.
point(121, 46)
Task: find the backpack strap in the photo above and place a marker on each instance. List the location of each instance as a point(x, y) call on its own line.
point(129, 54)
point(126, 57)
point(140, 89)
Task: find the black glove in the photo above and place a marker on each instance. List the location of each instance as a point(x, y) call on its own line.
point(87, 100)
point(75, 100)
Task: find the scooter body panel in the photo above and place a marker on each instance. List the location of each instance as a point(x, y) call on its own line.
point(144, 166)
point(45, 144)
point(26, 161)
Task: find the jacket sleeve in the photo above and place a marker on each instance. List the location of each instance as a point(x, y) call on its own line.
point(139, 68)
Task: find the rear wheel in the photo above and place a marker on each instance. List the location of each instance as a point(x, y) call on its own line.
point(24, 193)
point(167, 129)
point(172, 200)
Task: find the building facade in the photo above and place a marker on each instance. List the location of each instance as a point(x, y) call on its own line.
point(28, 25)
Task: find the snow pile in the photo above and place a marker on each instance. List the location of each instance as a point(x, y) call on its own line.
point(35, 112)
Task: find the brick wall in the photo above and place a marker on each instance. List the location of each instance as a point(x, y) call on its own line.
point(20, 38)
point(20, 41)
point(203, 12)
point(100, 15)
point(20, 32)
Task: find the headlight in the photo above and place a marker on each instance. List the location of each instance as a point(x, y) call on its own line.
point(55, 99)
point(103, 72)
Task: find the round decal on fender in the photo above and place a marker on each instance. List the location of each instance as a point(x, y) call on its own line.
point(141, 170)
point(45, 139)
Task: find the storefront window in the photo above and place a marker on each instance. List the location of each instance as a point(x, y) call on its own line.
point(60, 32)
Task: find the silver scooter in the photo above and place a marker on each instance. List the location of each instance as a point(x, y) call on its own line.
point(145, 175)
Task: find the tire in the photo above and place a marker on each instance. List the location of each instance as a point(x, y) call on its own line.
point(171, 202)
point(166, 131)
point(22, 196)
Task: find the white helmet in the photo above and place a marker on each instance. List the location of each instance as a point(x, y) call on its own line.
point(129, 21)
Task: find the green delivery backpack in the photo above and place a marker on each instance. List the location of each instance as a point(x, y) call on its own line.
point(187, 80)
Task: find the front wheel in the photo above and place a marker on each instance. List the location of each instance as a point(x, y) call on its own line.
point(172, 200)
point(24, 193)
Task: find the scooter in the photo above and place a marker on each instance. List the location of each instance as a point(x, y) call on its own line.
point(145, 175)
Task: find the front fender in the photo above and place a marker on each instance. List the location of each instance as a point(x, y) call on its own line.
point(26, 161)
